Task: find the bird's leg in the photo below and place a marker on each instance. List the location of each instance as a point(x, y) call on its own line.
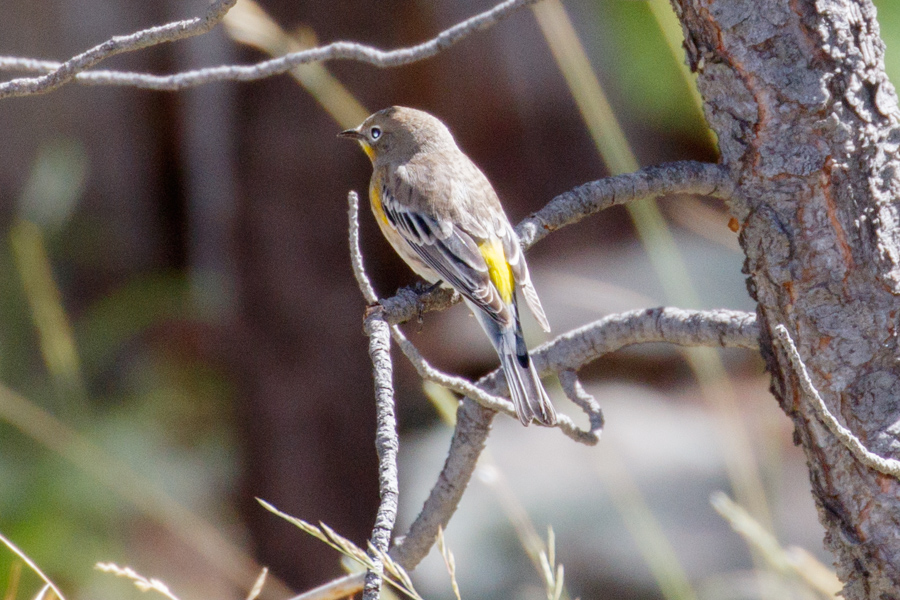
point(424, 290)
point(427, 290)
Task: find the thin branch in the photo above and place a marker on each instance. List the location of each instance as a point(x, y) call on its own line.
point(686, 177)
point(356, 260)
point(573, 350)
point(73, 68)
point(569, 351)
point(386, 443)
point(886, 466)
point(451, 382)
point(568, 379)
point(67, 71)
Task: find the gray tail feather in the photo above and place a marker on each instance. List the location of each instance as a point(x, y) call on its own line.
point(525, 387)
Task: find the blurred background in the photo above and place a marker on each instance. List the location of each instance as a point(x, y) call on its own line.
point(180, 331)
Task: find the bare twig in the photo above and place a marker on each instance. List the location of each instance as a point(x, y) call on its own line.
point(356, 260)
point(75, 67)
point(451, 382)
point(887, 466)
point(686, 177)
point(65, 72)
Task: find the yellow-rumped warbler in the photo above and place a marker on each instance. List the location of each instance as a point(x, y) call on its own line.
point(441, 215)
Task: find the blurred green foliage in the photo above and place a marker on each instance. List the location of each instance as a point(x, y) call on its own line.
point(149, 403)
point(889, 21)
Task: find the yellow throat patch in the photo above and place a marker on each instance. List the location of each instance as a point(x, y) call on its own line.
point(498, 269)
point(368, 150)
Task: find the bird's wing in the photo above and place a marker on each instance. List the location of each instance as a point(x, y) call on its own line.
point(447, 247)
point(516, 259)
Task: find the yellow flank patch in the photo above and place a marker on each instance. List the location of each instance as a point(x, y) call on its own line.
point(498, 269)
point(375, 200)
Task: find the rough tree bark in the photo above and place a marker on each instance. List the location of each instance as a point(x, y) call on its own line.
point(808, 126)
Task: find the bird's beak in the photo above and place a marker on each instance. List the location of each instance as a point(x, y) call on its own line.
point(353, 134)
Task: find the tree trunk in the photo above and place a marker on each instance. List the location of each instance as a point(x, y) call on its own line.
point(808, 125)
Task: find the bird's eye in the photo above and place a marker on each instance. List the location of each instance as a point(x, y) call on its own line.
point(375, 133)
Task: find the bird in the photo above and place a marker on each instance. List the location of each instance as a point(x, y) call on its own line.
point(442, 216)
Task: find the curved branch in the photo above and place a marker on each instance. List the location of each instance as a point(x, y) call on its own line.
point(885, 466)
point(685, 177)
point(63, 73)
point(73, 68)
point(575, 392)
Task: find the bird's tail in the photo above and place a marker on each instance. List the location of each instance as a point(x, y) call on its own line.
point(525, 387)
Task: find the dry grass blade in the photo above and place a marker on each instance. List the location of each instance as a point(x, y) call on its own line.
point(307, 527)
point(258, 584)
point(41, 594)
point(33, 566)
point(793, 562)
point(560, 578)
point(394, 573)
point(140, 582)
point(247, 23)
point(15, 575)
point(551, 572)
point(449, 561)
point(344, 545)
